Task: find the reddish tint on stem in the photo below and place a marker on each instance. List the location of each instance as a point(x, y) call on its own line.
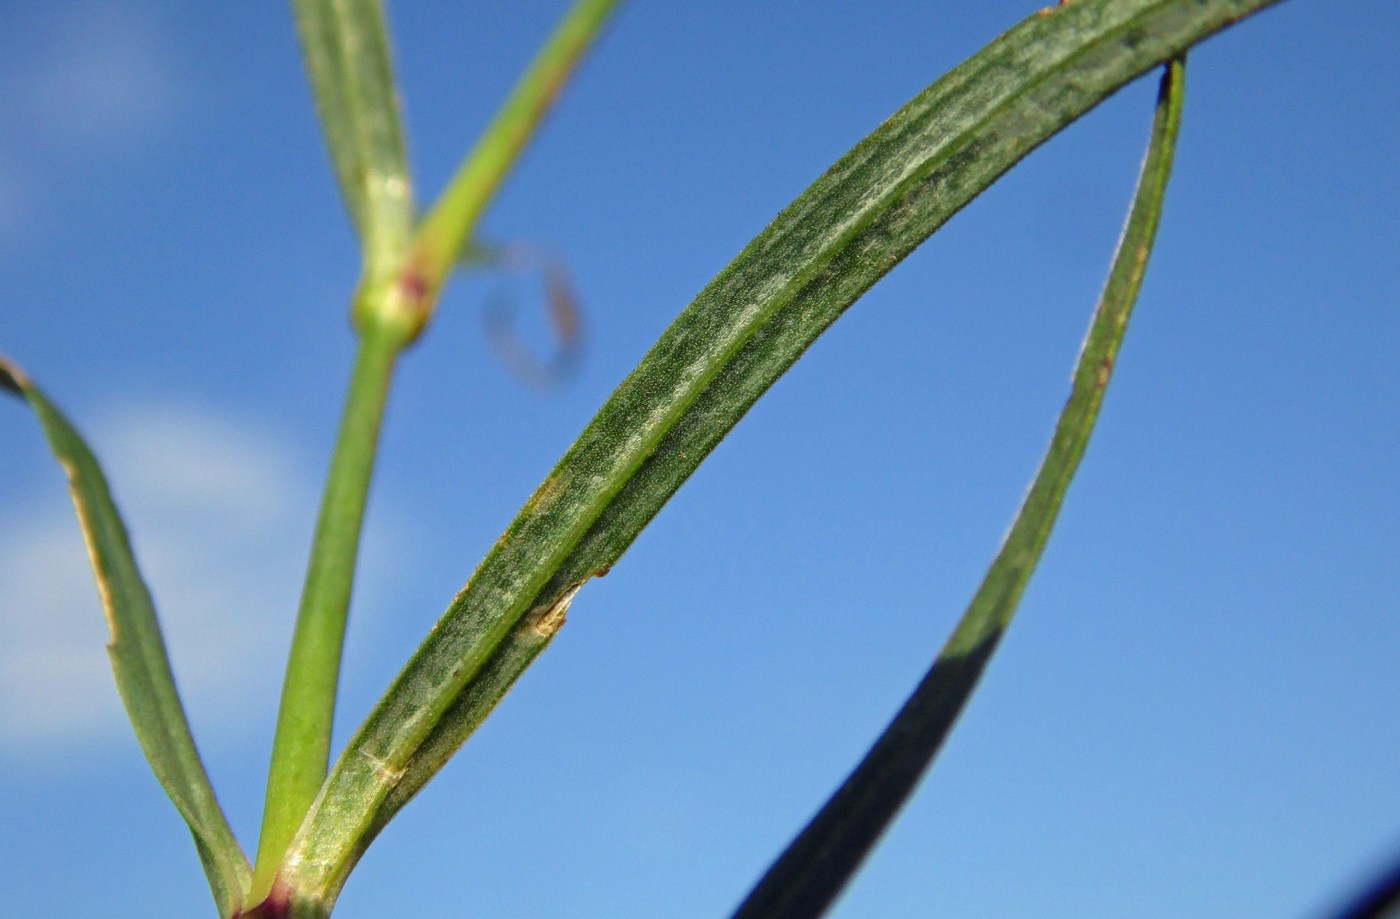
point(277, 906)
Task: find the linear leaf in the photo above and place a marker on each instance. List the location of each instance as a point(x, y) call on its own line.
point(823, 858)
point(137, 652)
point(346, 47)
point(471, 707)
point(740, 334)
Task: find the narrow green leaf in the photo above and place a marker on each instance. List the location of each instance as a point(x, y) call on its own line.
point(347, 57)
point(477, 700)
point(347, 53)
point(823, 858)
point(742, 332)
point(138, 652)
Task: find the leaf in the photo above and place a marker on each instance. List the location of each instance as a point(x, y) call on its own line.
point(1379, 900)
point(819, 863)
point(471, 707)
point(741, 333)
point(347, 58)
point(137, 652)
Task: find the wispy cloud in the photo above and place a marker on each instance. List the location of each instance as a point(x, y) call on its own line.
point(80, 79)
point(96, 74)
point(220, 514)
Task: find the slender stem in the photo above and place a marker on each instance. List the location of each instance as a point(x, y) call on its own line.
point(390, 310)
point(447, 228)
point(301, 746)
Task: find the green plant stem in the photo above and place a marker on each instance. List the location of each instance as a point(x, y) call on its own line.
point(391, 309)
point(446, 231)
point(301, 746)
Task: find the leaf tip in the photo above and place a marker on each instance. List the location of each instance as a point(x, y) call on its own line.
point(11, 377)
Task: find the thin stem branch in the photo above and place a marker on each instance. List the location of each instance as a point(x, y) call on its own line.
point(301, 746)
point(390, 310)
point(447, 229)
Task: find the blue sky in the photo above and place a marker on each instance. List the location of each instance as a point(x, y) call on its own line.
point(1194, 713)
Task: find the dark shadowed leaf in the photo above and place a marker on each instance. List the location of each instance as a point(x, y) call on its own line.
point(818, 864)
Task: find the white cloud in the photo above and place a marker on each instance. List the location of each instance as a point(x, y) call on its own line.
point(220, 514)
point(89, 78)
point(99, 73)
point(52, 679)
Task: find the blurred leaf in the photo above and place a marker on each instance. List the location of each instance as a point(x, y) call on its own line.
point(742, 332)
point(138, 652)
point(1380, 899)
point(819, 863)
point(347, 58)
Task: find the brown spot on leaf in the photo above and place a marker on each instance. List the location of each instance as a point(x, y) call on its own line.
point(1105, 370)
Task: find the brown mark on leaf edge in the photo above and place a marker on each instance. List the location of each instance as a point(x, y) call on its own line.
point(549, 490)
point(11, 378)
point(1105, 370)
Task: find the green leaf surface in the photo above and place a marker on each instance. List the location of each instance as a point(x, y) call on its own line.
point(137, 652)
point(471, 707)
point(740, 334)
point(818, 864)
point(346, 47)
